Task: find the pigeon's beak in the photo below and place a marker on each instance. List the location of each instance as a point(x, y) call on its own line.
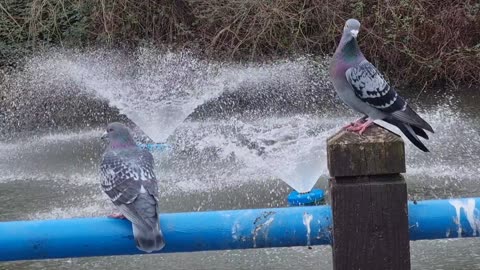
point(354, 33)
point(104, 135)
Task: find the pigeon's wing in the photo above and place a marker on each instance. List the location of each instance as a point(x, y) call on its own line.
point(130, 183)
point(371, 87)
point(149, 181)
point(142, 212)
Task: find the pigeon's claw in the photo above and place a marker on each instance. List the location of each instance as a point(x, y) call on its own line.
point(347, 126)
point(360, 128)
point(355, 124)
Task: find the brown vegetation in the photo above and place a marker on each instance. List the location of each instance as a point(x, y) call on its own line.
point(414, 41)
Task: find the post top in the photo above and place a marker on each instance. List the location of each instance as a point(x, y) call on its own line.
point(378, 151)
point(373, 134)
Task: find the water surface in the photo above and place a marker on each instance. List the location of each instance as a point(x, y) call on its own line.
point(238, 151)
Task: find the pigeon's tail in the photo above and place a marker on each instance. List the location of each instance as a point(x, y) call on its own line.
point(420, 132)
point(411, 117)
point(148, 239)
point(411, 133)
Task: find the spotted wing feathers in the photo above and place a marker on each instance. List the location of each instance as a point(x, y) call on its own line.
point(370, 87)
point(129, 181)
point(127, 174)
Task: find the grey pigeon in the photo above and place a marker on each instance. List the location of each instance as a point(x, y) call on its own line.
point(129, 180)
point(362, 87)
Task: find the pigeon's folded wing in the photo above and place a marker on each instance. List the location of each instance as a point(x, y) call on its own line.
point(370, 86)
point(149, 181)
point(124, 179)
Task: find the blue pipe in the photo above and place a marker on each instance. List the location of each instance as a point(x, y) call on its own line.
point(437, 219)
point(315, 196)
point(184, 232)
point(220, 230)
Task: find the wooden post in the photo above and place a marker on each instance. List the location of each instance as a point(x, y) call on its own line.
point(369, 200)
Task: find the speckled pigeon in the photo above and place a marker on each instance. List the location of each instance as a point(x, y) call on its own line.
point(362, 87)
point(129, 180)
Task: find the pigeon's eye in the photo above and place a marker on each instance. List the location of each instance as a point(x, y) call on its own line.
point(110, 130)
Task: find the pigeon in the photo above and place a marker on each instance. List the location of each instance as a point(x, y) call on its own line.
point(129, 180)
point(363, 88)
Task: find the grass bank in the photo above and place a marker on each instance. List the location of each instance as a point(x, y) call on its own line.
point(416, 42)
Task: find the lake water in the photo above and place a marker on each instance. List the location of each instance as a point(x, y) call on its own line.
point(235, 160)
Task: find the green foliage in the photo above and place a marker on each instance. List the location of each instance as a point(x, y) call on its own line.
point(414, 41)
point(26, 26)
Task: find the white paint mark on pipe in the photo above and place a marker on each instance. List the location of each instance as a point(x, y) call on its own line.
point(262, 222)
point(307, 219)
point(235, 228)
point(471, 213)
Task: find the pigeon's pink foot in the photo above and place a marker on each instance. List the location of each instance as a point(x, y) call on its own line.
point(116, 215)
point(360, 128)
point(355, 124)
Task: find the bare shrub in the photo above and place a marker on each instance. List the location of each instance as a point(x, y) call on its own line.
point(418, 42)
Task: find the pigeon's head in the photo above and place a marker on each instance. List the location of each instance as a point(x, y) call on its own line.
point(118, 135)
point(352, 26)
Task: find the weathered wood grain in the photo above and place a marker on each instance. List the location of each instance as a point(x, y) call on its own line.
point(370, 224)
point(369, 201)
point(377, 151)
